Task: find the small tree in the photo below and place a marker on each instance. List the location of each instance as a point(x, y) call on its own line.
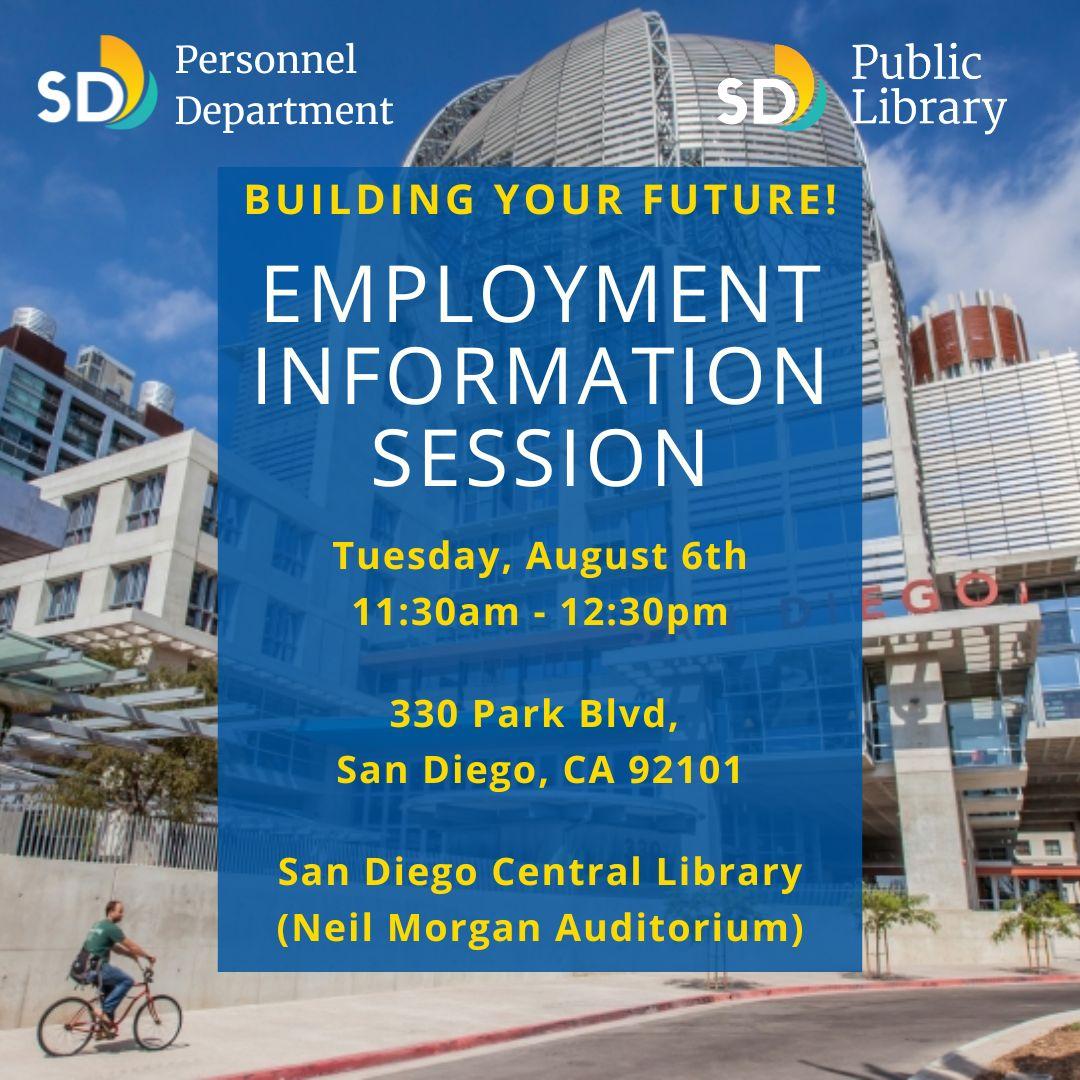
point(884, 909)
point(174, 782)
point(1037, 920)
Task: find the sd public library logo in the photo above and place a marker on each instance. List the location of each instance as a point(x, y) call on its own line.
point(802, 91)
point(132, 91)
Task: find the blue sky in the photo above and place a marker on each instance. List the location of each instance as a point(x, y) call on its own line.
point(113, 232)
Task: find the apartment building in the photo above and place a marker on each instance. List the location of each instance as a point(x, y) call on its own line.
point(54, 416)
point(138, 565)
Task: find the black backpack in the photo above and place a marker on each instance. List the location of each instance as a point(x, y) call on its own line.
point(84, 968)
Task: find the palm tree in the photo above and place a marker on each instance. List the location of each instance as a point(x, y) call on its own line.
point(1037, 919)
point(884, 909)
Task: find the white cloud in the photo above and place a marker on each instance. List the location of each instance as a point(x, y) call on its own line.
point(154, 310)
point(953, 230)
point(807, 17)
point(75, 319)
point(12, 155)
point(182, 247)
point(801, 19)
point(66, 192)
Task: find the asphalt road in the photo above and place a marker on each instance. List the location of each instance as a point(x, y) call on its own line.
point(877, 1035)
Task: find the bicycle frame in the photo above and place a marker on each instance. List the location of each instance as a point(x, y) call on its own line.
point(136, 994)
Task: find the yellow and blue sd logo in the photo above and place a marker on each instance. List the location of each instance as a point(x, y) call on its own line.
point(802, 94)
point(132, 90)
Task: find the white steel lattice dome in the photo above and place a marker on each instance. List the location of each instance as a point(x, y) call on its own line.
point(628, 93)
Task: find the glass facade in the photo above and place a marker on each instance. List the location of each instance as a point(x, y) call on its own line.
point(879, 518)
point(813, 683)
point(877, 720)
point(123, 439)
point(84, 428)
point(31, 401)
point(1059, 649)
point(23, 448)
point(986, 731)
point(874, 423)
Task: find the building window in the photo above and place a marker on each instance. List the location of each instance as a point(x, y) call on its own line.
point(1052, 848)
point(291, 547)
point(22, 446)
point(8, 600)
point(232, 513)
point(281, 631)
point(122, 439)
point(1022, 848)
point(384, 520)
point(1060, 607)
point(209, 523)
point(879, 518)
point(379, 586)
point(130, 588)
point(83, 428)
point(145, 501)
point(877, 715)
point(63, 598)
point(202, 612)
point(1060, 671)
point(31, 401)
point(226, 605)
point(81, 510)
point(874, 424)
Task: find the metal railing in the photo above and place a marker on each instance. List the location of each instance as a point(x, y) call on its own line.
point(39, 829)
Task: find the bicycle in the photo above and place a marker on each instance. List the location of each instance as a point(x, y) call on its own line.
point(69, 1024)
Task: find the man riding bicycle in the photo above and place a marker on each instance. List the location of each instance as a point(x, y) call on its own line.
point(104, 936)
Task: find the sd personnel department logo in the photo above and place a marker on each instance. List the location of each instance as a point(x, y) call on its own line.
point(132, 92)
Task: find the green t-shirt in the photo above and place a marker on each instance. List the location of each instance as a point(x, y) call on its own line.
point(103, 935)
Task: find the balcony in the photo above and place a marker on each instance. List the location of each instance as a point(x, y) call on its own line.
point(1053, 736)
point(987, 732)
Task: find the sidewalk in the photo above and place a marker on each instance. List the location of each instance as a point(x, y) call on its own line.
point(965, 1061)
point(217, 1042)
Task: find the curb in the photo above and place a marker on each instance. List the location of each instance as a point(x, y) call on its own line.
point(369, 1059)
point(957, 1064)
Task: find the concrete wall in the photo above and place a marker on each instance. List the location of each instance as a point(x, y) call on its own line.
point(936, 862)
point(48, 906)
point(963, 941)
point(28, 524)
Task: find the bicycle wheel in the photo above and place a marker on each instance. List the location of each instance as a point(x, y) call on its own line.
point(65, 1027)
point(157, 1023)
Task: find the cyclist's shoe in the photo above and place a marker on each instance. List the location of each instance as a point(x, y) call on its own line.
point(105, 1029)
